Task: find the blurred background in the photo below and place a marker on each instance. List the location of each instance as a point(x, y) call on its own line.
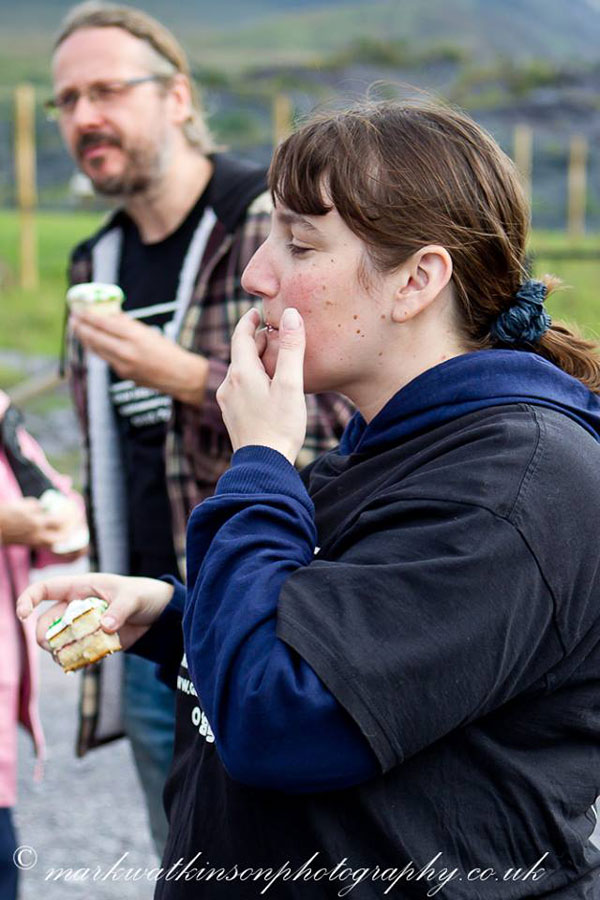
point(528, 70)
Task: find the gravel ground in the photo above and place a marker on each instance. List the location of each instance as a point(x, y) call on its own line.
point(86, 813)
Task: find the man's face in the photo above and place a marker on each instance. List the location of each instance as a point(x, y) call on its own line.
point(123, 141)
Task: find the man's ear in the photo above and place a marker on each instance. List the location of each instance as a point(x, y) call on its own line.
point(181, 98)
point(421, 279)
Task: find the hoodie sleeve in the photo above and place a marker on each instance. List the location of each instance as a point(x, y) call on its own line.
point(432, 613)
point(275, 723)
point(163, 642)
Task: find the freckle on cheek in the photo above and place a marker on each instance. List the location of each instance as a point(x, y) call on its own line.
point(382, 316)
point(358, 330)
point(355, 317)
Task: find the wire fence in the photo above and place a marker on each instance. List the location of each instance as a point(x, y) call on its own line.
point(248, 124)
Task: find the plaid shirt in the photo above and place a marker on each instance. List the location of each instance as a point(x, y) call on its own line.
point(197, 449)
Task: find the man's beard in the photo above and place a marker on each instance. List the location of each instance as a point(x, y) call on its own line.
point(142, 167)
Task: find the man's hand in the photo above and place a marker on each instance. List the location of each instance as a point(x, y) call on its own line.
point(24, 521)
point(134, 603)
point(257, 409)
point(142, 354)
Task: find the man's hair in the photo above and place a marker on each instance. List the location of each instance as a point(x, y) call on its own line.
point(404, 175)
point(168, 54)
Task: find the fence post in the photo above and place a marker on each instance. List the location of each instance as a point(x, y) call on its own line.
point(26, 182)
point(577, 186)
point(282, 117)
point(523, 151)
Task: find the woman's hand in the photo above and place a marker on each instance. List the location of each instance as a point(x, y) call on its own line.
point(257, 409)
point(25, 521)
point(134, 603)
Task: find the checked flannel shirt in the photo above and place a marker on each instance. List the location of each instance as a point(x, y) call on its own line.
point(197, 450)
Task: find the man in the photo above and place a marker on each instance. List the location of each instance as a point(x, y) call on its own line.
point(144, 382)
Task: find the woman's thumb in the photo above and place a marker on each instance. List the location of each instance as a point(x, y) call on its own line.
point(116, 615)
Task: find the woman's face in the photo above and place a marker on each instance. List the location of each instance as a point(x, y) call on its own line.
point(320, 267)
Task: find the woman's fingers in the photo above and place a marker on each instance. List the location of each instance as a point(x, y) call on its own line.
point(134, 604)
point(45, 620)
point(290, 358)
point(122, 605)
point(259, 410)
point(243, 345)
point(53, 590)
point(261, 342)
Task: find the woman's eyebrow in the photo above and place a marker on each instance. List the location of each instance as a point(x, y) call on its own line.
point(291, 218)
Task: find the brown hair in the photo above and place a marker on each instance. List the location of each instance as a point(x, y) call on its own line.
point(405, 175)
point(169, 56)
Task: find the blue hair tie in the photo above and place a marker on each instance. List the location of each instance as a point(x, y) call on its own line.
point(526, 320)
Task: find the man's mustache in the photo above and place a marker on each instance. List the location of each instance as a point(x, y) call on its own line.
point(96, 139)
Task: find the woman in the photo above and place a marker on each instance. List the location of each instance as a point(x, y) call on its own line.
point(27, 534)
point(392, 662)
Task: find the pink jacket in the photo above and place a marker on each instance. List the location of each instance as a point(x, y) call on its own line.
point(18, 646)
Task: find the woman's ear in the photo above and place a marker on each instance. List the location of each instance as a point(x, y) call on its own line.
point(422, 278)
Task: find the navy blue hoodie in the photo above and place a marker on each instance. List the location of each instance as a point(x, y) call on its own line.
point(396, 674)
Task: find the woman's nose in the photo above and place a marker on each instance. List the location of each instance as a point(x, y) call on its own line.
point(259, 276)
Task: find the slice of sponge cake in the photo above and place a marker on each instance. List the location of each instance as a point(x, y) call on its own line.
point(77, 638)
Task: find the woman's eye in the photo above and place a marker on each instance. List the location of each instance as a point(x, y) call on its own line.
point(296, 250)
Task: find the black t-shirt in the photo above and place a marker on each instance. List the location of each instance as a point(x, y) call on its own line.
point(453, 610)
point(149, 276)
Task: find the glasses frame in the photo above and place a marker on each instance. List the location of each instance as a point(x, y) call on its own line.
point(54, 108)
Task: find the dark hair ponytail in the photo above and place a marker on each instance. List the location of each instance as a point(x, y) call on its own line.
point(569, 350)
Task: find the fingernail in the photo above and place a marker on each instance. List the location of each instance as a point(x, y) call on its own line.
point(291, 319)
point(108, 621)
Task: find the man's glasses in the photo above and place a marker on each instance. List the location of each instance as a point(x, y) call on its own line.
point(102, 93)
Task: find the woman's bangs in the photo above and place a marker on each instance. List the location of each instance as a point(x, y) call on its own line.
point(299, 174)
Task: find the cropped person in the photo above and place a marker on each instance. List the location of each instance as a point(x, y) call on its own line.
point(188, 220)
point(27, 534)
point(392, 662)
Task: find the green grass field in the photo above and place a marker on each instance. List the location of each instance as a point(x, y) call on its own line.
point(31, 321)
point(578, 301)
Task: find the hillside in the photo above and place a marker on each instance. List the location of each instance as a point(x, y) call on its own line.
point(506, 61)
point(179, 12)
point(302, 31)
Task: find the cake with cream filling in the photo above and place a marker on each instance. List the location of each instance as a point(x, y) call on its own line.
point(77, 639)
